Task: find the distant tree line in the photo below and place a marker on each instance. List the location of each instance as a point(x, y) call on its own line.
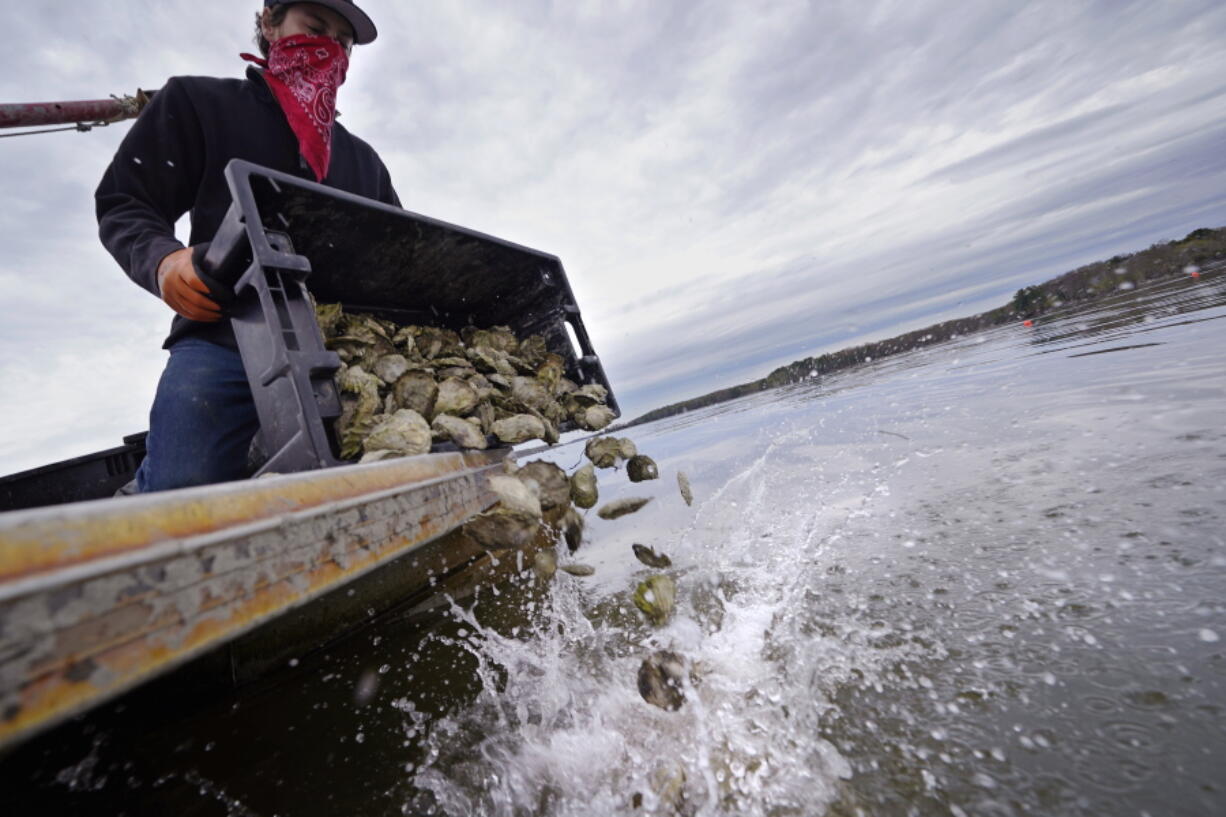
point(1083, 284)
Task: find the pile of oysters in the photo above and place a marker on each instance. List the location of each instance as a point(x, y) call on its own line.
point(405, 388)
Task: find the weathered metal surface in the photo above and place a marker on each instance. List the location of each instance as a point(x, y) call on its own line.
point(90, 111)
point(100, 596)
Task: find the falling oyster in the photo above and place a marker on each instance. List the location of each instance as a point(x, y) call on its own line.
point(621, 507)
point(545, 564)
point(649, 557)
point(594, 418)
point(579, 569)
point(626, 448)
point(662, 680)
point(572, 529)
point(461, 432)
point(519, 428)
point(405, 432)
point(683, 482)
point(554, 486)
point(641, 468)
point(656, 597)
point(603, 451)
point(513, 523)
point(583, 491)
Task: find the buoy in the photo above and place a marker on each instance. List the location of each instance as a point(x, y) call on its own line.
point(1027, 323)
point(1196, 275)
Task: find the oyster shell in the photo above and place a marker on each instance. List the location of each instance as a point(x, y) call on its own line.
point(594, 418)
point(530, 393)
point(622, 507)
point(455, 397)
point(572, 529)
point(683, 482)
point(329, 317)
point(405, 432)
point(459, 431)
point(603, 451)
point(416, 390)
point(532, 350)
point(518, 428)
point(583, 491)
point(389, 368)
point(641, 468)
point(552, 481)
point(513, 523)
point(661, 680)
point(656, 597)
point(576, 569)
point(545, 564)
point(649, 557)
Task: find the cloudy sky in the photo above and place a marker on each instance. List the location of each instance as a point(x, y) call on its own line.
point(730, 185)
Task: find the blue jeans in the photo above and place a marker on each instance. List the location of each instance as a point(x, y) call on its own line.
point(202, 421)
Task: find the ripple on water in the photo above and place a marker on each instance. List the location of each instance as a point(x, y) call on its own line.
point(1133, 736)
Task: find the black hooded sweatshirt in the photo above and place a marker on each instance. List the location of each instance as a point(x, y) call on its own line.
point(172, 162)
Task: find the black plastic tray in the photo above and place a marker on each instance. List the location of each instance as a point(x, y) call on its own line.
point(283, 235)
point(92, 476)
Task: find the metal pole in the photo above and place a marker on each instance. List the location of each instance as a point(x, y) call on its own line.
point(93, 111)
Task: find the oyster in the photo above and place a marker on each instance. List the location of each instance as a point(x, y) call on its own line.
point(583, 490)
point(661, 680)
point(603, 451)
point(683, 482)
point(459, 431)
point(576, 569)
point(530, 393)
point(405, 432)
point(416, 390)
point(626, 448)
point(590, 395)
point(389, 368)
point(532, 350)
point(455, 397)
point(554, 486)
point(329, 317)
point(513, 523)
point(551, 370)
point(649, 557)
point(621, 507)
point(594, 418)
point(656, 598)
point(641, 468)
point(518, 428)
point(545, 564)
point(572, 529)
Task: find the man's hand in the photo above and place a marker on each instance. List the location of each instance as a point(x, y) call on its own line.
point(182, 289)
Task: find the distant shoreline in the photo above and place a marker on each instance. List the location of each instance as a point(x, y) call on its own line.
point(1083, 284)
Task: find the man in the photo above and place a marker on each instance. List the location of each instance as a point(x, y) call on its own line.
point(281, 116)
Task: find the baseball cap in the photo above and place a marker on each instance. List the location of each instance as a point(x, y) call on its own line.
point(363, 28)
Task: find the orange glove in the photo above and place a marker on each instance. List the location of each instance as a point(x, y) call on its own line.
point(182, 289)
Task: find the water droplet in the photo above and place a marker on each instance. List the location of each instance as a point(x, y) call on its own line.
point(1208, 636)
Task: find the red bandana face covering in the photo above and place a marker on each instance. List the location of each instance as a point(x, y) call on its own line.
point(303, 73)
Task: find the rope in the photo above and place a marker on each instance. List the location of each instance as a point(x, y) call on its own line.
point(83, 127)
